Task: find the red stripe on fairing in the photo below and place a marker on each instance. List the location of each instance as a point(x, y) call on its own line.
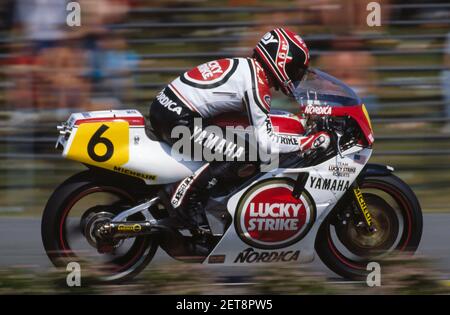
point(357, 114)
point(132, 121)
point(287, 125)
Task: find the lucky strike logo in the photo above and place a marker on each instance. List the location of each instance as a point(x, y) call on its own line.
point(272, 218)
point(263, 216)
point(209, 71)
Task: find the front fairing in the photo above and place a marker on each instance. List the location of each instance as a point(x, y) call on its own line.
point(318, 86)
point(322, 94)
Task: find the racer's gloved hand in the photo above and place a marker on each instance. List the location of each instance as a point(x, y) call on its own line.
point(318, 141)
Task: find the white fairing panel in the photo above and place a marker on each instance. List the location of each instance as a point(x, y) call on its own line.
point(268, 223)
point(153, 157)
point(149, 160)
point(326, 184)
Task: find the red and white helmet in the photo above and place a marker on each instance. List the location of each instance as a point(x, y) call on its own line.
point(285, 55)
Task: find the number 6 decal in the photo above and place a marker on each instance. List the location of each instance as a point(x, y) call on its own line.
point(103, 144)
point(98, 139)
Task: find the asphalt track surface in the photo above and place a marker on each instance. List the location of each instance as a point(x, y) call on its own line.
point(20, 245)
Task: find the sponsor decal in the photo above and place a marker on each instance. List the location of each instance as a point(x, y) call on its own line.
point(329, 184)
point(360, 159)
point(251, 256)
point(129, 228)
point(102, 144)
point(216, 259)
point(217, 143)
point(71, 120)
point(268, 124)
point(168, 103)
point(363, 205)
point(181, 190)
point(211, 74)
point(210, 70)
point(269, 38)
point(282, 55)
point(281, 139)
point(342, 169)
point(278, 138)
point(133, 173)
point(269, 217)
point(318, 110)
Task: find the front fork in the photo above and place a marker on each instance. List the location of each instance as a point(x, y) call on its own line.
point(362, 209)
point(354, 197)
point(354, 208)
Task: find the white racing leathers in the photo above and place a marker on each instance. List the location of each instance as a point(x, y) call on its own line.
point(214, 88)
point(234, 85)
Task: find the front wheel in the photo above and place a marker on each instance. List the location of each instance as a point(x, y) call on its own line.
point(74, 210)
point(347, 249)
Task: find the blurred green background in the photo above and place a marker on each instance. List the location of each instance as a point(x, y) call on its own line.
point(125, 51)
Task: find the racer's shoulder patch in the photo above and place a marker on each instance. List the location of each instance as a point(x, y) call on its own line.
point(210, 74)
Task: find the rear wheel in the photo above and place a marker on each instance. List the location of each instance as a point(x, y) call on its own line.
point(347, 248)
point(76, 209)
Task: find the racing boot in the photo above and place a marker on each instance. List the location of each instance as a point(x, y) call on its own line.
point(187, 198)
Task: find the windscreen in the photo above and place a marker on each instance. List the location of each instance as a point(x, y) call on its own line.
point(319, 88)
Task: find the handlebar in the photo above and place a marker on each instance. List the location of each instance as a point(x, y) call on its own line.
point(337, 128)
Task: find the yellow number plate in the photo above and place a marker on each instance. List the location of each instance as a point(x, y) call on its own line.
point(103, 144)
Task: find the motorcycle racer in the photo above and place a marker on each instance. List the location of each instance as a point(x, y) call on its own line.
point(279, 61)
point(231, 212)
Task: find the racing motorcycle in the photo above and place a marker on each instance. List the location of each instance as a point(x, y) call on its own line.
point(333, 203)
